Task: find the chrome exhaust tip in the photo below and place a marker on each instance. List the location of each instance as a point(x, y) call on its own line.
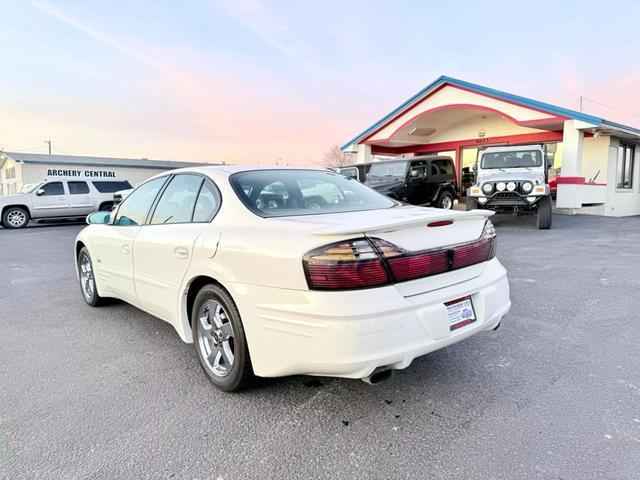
point(379, 375)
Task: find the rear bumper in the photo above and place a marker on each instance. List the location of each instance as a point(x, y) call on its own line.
point(350, 334)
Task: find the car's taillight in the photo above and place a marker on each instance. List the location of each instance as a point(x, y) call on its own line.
point(345, 265)
point(479, 251)
point(373, 262)
point(417, 266)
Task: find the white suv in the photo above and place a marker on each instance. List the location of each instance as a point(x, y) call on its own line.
point(58, 198)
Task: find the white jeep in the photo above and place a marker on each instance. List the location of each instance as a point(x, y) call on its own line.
point(513, 179)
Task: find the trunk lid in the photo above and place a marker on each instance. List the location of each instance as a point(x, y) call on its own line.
point(411, 228)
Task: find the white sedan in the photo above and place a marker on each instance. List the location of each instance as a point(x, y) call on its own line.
point(274, 272)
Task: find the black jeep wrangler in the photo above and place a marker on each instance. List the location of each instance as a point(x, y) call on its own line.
point(418, 180)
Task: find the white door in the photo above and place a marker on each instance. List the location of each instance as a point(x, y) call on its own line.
point(112, 252)
point(112, 247)
point(50, 200)
point(80, 200)
point(163, 249)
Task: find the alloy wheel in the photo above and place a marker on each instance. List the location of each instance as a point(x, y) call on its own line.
point(16, 218)
point(216, 338)
point(86, 277)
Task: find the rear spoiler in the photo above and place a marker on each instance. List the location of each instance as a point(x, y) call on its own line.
point(368, 226)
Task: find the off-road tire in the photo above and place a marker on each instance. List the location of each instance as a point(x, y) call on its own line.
point(445, 201)
point(471, 204)
point(544, 213)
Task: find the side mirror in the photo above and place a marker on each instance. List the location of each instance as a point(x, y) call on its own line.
point(40, 192)
point(99, 218)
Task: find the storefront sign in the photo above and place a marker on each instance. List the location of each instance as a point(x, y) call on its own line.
point(58, 172)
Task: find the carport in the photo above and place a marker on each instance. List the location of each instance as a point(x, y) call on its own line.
point(456, 118)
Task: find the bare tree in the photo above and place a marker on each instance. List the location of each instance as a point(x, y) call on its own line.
point(337, 158)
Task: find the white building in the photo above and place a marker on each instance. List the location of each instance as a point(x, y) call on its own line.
point(597, 158)
point(19, 169)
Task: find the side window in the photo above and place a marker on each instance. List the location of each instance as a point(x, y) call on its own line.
point(434, 170)
point(53, 188)
point(350, 172)
point(134, 208)
point(78, 188)
point(111, 187)
point(178, 200)
point(208, 203)
point(445, 167)
point(418, 171)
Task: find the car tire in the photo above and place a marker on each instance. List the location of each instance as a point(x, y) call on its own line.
point(445, 201)
point(544, 213)
point(15, 217)
point(471, 204)
point(88, 279)
point(106, 207)
point(219, 339)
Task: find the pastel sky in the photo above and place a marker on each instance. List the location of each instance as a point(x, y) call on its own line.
point(265, 81)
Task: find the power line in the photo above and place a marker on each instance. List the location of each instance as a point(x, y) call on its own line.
point(608, 106)
point(64, 152)
point(23, 149)
point(313, 161)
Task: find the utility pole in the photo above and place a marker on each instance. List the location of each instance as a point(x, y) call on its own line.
point(48, 142)
point(581, 103)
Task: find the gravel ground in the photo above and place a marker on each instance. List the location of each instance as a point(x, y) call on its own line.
point(113, 393)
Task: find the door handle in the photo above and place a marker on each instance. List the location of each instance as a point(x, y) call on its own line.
point(125, 250)
point(181, 252)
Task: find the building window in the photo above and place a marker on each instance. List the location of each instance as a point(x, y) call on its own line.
point(10, 173)
point(624, 170)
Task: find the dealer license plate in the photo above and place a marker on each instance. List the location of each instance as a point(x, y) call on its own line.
point(460, 313)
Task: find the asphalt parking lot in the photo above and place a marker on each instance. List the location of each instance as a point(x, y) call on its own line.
point(113, 393)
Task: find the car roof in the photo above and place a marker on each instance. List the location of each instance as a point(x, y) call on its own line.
point(227, 170)
point(81, 179)
point(513, 148)
point(411, 159)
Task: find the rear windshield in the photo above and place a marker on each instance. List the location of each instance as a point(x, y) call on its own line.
point(526, 158)
point(281, 193)
point(388, 171)
point(111, 187)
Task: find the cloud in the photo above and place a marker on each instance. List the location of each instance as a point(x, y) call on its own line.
point(192, 109)
point(102, 38)
point(273, 31)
